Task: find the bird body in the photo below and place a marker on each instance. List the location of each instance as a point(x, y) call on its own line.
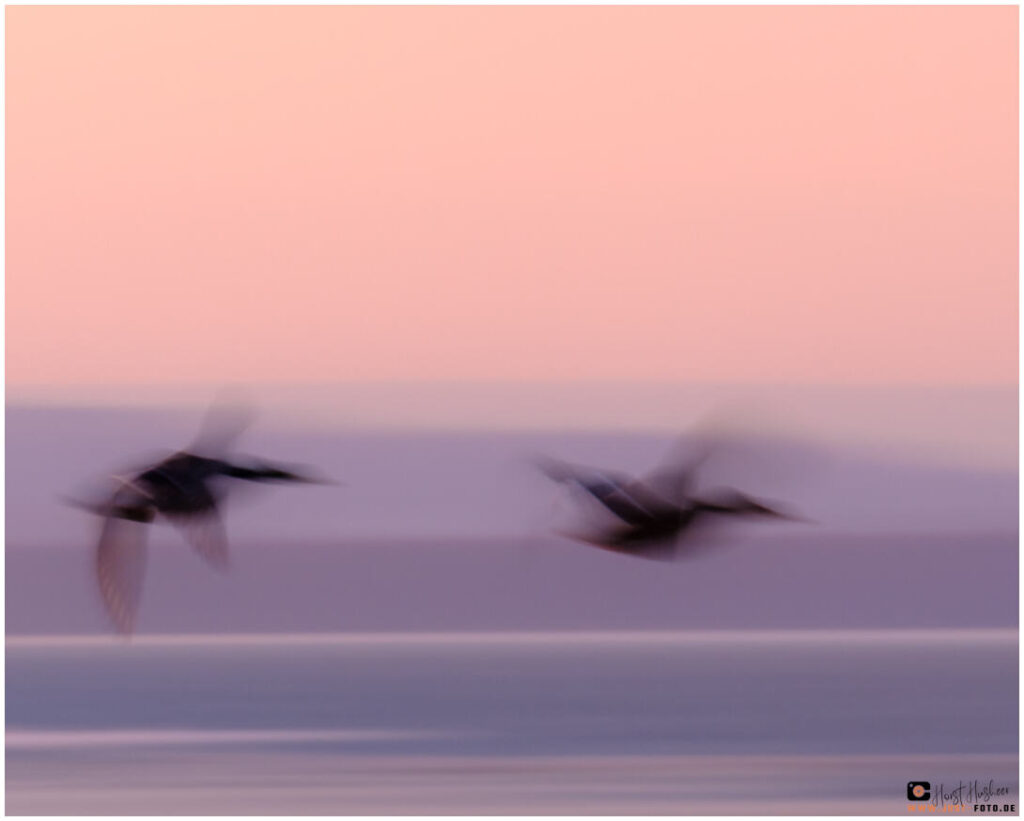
point(184, 483)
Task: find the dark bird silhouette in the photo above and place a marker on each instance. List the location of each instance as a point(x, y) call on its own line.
point(186, 489)
point(655, 516)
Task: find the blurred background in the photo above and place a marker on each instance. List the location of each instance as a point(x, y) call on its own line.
point(435, 243)
point(441, 527)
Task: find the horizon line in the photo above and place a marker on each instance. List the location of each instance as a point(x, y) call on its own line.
point(511, 637)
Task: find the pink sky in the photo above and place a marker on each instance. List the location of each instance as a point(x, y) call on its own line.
point(738, 194)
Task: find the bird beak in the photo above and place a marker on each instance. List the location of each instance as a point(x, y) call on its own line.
point(785, 515)
point(792, 517)
point(323, 480)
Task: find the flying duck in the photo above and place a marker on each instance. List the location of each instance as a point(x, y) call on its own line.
point(656, 515)
point(187, 490)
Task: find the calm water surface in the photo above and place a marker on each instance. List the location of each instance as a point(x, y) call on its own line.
point(759, 722)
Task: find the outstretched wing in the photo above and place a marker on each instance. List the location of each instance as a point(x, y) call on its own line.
point(629, 500)
point(226, 419)
point(620, 494)
point(205, 533)
point(120, 568)
point(676, 478)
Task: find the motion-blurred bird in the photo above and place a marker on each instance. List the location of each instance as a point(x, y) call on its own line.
point(186, 489)
point(656, 515)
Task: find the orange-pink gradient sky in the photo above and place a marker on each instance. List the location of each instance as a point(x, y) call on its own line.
point(736, 194)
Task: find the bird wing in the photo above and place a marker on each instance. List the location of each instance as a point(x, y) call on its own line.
point(619, 493)
point(676, 478)
point(227, 418)
point(629, 500)
point(205, 533)
point(120, 568)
